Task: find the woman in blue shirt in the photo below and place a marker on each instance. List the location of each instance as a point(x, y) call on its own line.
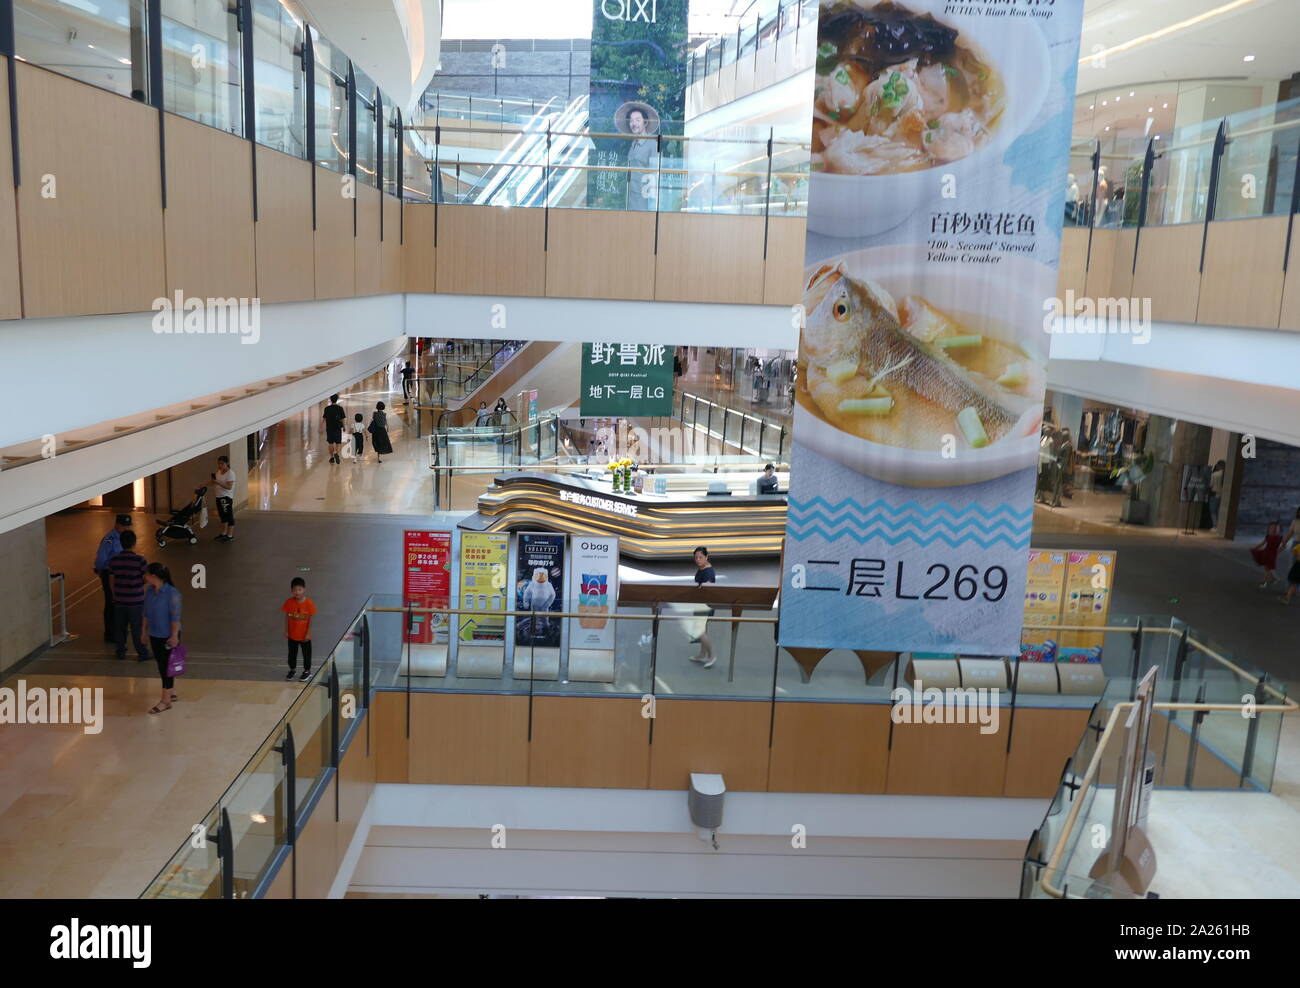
point(162, 623)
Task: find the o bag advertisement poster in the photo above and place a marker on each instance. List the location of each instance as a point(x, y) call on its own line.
point(940, 139)
point(426, 582)
point(539, 587)
point(483, 582)
point(593, 590)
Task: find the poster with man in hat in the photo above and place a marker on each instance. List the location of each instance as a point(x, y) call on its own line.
point(638, 93)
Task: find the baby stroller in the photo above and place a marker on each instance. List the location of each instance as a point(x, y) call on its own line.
point(181, 524)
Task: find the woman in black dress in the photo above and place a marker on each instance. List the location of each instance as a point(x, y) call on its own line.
point(379, 433)
point(704, 574)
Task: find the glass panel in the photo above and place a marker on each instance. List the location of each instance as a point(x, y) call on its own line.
point(1180, 180)
point(103, 44)
point(331, 138)
point(193, 872)
point(1257, 172)
point(257, 822)
point(280, 90)
point(202, 78)
point(391, 156)
point(367, 129)
point(311, 736)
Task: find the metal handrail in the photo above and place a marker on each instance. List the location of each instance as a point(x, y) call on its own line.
point(1094, 769)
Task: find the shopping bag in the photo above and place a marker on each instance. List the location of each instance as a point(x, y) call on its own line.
point(176, 661)
point(203, 515)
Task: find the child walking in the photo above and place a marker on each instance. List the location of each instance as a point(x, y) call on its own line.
point(358, 437)
point(298, 611)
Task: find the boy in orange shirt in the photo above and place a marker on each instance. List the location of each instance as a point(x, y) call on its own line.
point(298, 611)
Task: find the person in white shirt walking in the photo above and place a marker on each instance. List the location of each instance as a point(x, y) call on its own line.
point(224, 482)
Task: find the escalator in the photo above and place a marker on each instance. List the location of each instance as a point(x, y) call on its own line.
point(524, 173)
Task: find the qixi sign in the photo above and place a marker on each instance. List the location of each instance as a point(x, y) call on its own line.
point(630, 10)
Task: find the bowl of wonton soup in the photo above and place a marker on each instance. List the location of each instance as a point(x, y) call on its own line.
point(842, 204)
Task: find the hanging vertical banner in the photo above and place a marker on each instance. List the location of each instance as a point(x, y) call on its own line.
point(593, 590)
point(426, 582)
point(638, 89)
point(939, 147)
point(484, 557)
point(539, 588)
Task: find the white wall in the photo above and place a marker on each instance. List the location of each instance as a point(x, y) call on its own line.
point(637, 842)
point(24, 587)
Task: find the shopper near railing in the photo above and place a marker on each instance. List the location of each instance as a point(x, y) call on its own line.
point(704, 573)
point(127, 570)
point(334, 416)
point(109, 546)
point(298, 611)
point(162, 625)
point(408, 375)
point(379, 433)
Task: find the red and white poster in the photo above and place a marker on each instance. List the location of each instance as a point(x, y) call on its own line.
point(426, 582)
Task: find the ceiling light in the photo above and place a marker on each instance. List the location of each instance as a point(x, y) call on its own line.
point(125, 61)
point(1249, 58)
point(1093, 107)
point(1105, 102)
point(1157, 137)
point(1165, 105)
point(1151, 109)
point(1108, 128)
point(1131, 94)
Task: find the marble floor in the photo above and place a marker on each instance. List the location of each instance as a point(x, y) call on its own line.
point(97, 815)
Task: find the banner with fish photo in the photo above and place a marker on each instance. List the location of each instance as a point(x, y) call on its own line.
point(940, 141)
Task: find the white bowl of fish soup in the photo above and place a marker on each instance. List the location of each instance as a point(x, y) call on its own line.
point(886, 131)
point(887, 391)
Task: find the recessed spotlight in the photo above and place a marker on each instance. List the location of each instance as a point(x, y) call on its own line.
point(1131, 94)
point(1118, 98)
point(1108, 128)
point(1165, 105)
point(1093, 107)
point(1249, 58)
point(1151, 109)
point(1105, 102)
point(1157, 137)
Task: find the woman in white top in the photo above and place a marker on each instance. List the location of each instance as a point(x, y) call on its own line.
point(224, 482)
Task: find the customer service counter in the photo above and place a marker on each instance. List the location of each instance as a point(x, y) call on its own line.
point(648, 525)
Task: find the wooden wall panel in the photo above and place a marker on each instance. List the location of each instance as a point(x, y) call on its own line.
point(367, 241)
point(1074, 258)
point(336, 256)
point(1168, 273)
point(709, 258)
point(469, 739)
point(317, 851)
point(947, 760)
point(390, 253)
point(282, 884)
point(1101, 265)
point(1242, 281)
point(600, 253)
point(724, 736)
point(97, 245)
point(783, 267)
point(211, 251)
point(10, 286)
point(356, 784)
point(286, 258)
point(417, 248)
point(1290, 317)
point(388, 741)
point(1121, 276)
point(486, 250)
point(1041, 742)
point(590, 742)
point(830, 747)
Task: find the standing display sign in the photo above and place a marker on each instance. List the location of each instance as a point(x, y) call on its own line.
point(426, 582)
point(941, 131)
point(593, 588)
point(539, 588)
point(532, 406)
point(638, 89)
point(626, 380)
point(1088, 581)
point(484, 557)
point(1044, 594)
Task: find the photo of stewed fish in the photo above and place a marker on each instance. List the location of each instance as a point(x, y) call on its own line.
point(907, 373)
point(896, 91)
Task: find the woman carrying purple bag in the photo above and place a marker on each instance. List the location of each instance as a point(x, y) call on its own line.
point(162, 623)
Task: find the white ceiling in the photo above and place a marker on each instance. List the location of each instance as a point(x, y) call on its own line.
point(1214, 47)
point(395, 42)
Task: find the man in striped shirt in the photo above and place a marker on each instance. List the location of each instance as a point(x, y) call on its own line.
point(126, 573)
